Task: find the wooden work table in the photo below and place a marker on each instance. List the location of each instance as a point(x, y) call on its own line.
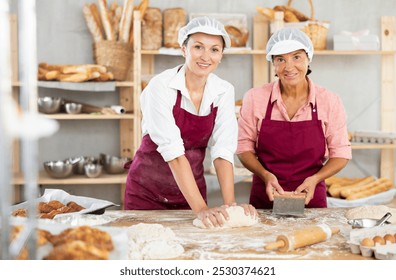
point(247, 242)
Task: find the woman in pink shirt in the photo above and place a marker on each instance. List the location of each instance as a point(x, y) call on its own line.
point(292, 133)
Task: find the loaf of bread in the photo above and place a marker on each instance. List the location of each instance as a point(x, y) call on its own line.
point(360, 187)
point(152, 29)
point(142, 8)
point(174, 19)
point(126, 21)
point(267, 12)
point(335, 189)
point(92, 24)
point(382, 187)
point(237, 35)
point(106, 20)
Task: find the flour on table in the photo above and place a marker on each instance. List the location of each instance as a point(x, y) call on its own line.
point(371, 212)
point(237, 218)
point(152, 242)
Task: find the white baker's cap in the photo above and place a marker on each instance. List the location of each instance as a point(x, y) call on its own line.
point(288, 40)
point(204, 25)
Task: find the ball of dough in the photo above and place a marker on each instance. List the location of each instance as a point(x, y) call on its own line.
point(379, 240)
point(390, 238)
point(368, 242)
point(237, 218)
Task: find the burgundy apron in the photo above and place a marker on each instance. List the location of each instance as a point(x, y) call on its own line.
point(150, 184)
point(292, 151)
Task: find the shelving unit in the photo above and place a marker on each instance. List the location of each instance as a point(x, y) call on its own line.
point(129, 123)
point(260, 64)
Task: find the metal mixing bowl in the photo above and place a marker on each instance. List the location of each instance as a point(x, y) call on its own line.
point(113, 164)
point(49, 105)
point(79, 166)
point(93, 170)
point(59, 168)
point(73, 108)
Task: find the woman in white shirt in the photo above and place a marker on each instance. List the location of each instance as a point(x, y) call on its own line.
point(185, 110)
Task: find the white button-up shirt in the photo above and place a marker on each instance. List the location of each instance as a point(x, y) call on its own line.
point(159, 97)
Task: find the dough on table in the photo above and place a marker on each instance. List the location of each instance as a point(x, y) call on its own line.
point(152, 242)
point(237, 218)
point(371, 212)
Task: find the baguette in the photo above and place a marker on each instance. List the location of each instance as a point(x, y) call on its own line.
point(79, 77)
point(83, 68)
point(52, 75)
point(106, 21)
point(267, 12)
point(115, 20)
point(96, 15)
point(299, 15)
point(126, 21)
point(93, 27)
point(357, 188)
point(383, 187)
point(105, 77)
point(335, 189)
point(142, 9)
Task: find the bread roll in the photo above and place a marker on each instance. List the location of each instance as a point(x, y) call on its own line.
point(174, 19)
point(152, 29)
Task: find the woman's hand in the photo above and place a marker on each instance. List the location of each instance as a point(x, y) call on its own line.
point(213, 217)
point(249, 209)
point(272, 185)
point(308, 186)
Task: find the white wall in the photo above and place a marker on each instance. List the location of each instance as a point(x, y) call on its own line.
point(63, 38)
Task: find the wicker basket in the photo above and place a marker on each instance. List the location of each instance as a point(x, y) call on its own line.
point(316, 30)
point(116, 56)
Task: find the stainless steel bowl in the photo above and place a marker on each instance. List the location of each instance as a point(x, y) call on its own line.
point(49, 105)
point(113, 164)
point(58, 169)
point(93, 170)
point(79, 166)
point(73, 108)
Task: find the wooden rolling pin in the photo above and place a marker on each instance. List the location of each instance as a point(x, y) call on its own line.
point(302, 237)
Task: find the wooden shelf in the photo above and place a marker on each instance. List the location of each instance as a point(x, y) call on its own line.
point(89, 117)
point(104, 178)
point(236, 51)
point(333, 52)
point(367, 146)
point(117, 84)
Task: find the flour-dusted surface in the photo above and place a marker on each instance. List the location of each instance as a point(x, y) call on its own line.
point(152, 242)
point(246, 242)
point(237, 218)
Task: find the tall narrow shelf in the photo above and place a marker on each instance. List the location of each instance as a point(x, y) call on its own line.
point(129, 123)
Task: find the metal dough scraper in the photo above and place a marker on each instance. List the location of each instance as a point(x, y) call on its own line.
point(289, 204)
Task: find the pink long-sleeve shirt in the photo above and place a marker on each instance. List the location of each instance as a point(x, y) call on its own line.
point(330, 111)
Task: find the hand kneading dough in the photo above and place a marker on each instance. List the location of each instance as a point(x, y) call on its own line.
point(237, 218)
point(371, 212)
